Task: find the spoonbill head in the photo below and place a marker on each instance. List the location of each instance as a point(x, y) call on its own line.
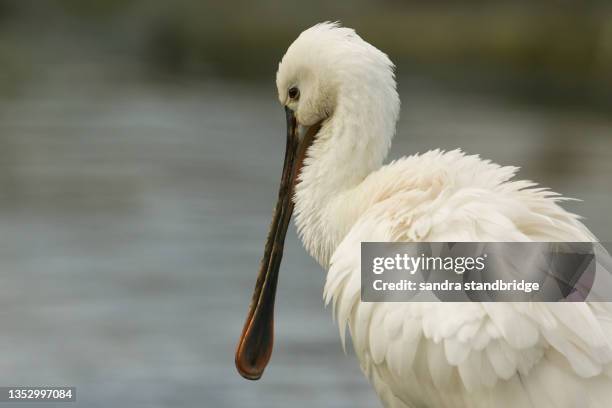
point(341, 107)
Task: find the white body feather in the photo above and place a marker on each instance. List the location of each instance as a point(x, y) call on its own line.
point(437, 355)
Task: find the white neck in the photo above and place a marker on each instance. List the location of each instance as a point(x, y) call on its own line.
point(351, 144)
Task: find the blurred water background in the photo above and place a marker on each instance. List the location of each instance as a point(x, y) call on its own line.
point(140, 149)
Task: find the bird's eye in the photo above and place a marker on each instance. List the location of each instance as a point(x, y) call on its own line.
point(294, 93)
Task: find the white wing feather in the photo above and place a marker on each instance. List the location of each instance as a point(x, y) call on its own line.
point(514, 355)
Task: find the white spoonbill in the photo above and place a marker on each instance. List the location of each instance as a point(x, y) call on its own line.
point(341, 104)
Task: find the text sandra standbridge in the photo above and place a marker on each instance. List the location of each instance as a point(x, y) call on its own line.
point(485, 272)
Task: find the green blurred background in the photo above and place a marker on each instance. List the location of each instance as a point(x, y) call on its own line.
point(548, 50)
point(140, 149)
